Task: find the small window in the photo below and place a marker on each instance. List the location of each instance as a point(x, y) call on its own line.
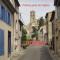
point(57, 38)
point(16, 21)
point(59, 31)
point(56, 29)
point(9, 22)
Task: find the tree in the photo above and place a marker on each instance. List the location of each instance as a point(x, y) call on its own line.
point(24, 33)
point(24, 38)
point(34, 33)
point(41, 22)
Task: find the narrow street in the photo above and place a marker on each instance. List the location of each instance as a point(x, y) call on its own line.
point(36, 53)
point(29, 29)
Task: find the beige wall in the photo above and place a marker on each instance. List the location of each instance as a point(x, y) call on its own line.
point(40, 34)
point(49, 27)
point(58, 37)
point(17, 31)
point(50, 31)
point(6, 28)
point(11, 28)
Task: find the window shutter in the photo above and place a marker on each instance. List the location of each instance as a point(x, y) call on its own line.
point(0, 11)
point(6, 20)
point(9, 22)
point(1, 42)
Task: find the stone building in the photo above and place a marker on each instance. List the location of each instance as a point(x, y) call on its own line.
point(20, 33)
point(49, 27)
point(9, 11)
point(17, 32)
point(57, 27)
point(33, 22)
point(53, 29)
point(42, 33)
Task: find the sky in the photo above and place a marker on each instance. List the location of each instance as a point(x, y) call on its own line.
point(41, 7)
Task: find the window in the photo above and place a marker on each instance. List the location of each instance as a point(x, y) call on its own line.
point(57, 37)
point(9, 18)
point(20, 27)
point(16, 26)
point(2, 13)
point(56, 29)
point(5, 15)
point(1, 42)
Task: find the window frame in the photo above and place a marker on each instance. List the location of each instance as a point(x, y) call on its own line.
point(5, 15)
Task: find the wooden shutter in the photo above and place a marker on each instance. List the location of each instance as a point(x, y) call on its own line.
point(1, 42)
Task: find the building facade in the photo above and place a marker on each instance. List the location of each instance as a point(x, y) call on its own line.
point(20, 33)
point(49, 27)
point(57, 20)
point(42, 33)
point(53, 29)
point(7, 21)
point(33, 23)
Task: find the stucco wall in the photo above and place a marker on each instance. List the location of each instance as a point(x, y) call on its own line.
point(49, 27)
point(6, 28)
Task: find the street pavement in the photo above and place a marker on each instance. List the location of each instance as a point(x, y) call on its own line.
point(16, 55)
point(36, 53)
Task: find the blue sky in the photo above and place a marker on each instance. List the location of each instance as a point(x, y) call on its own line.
point(40, 10)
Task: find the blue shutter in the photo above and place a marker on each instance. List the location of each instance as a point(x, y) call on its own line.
point(0, 11)
point(9, 18)
point(1, 42)
point(6, 20)
point(4, 14)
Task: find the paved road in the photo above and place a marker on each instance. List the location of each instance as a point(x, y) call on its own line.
point(36, 53)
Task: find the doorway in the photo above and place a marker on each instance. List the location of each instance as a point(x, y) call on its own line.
point(9, 43)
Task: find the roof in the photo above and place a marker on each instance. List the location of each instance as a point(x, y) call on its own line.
point(17, 2)
point(52, 16)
